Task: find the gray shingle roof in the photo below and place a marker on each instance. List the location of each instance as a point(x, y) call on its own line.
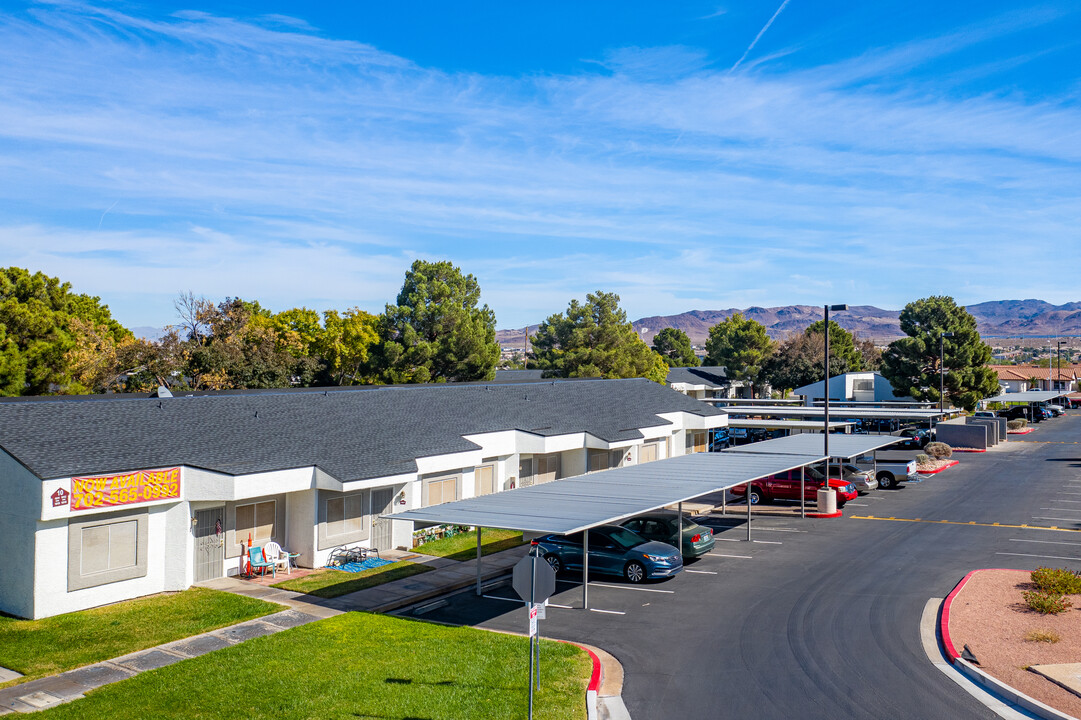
point(352, 435)
point(706, 375)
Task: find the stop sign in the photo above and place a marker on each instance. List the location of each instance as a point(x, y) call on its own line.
point(534, 573)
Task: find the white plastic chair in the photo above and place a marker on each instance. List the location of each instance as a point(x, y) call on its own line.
point(273, 552)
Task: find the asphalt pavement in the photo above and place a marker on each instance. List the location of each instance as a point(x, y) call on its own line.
point(820, 618)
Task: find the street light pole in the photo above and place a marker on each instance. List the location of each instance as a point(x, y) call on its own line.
point(1058, 361)
point(942, 370)
point(826, 405)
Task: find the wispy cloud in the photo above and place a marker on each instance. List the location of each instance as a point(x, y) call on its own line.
point(759, 35)
point(263, 159)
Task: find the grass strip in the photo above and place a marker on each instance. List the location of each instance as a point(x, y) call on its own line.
point(349, 666)
point(332, 583)
point(464, 545)
point(37, 648)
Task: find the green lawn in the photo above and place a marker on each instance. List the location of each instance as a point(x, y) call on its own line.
point(464, 546)
point(332, 583)
point(37, 648)
point(355, 665)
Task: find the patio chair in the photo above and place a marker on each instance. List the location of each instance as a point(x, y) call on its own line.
point(273, 552)
point(259, 564)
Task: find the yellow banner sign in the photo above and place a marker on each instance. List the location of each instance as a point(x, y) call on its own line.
point(127, 489)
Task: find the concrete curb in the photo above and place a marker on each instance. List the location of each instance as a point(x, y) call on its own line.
point(944, 467)
point(980, 677)
point(956, 450)
point(594, 685)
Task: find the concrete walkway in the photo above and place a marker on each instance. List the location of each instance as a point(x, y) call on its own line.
point(448, 575)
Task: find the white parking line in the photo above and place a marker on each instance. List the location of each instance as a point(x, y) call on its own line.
point(496, 597)
point(699, 572)
point(607, 612)
point(1045, 542)
point(874, 497)
point(1040, 517)
point(1063, 509)
point(852, 504)
point(639, 589)
point(1049, 557)
point(728, 539)
point(742, 557)
point(565, 607)
point(768, 542)
point(1069, 501)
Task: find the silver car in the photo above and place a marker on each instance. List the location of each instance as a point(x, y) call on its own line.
point(863, 480)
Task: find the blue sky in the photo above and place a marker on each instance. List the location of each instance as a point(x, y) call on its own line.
point(685, 155)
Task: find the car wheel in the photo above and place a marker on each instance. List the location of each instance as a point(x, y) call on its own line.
point(885, 481)
point(755, 497)
point(634, 572)
point(555, 563)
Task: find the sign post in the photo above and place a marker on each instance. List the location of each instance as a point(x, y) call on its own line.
point(534, 582)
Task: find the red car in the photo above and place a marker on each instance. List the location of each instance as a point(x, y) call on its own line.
point(785, 486)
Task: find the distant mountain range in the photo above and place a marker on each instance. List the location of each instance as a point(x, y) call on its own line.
point(999, 318)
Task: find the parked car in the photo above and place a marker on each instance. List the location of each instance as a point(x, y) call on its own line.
point(1014, 412)
point(862, 478)
point(1055, 410)
point(914, 438)
point(889, 473)
point(785, 486)
point(613, 550)
point(984, 414)
point(663, 525)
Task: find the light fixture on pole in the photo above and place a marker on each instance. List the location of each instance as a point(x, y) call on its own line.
point(826, 492)
point(942, 370)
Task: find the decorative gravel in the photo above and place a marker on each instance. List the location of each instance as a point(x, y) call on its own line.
point(990, 616)
point(934, 465)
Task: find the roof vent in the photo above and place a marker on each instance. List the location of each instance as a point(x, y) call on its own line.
point(161, 392)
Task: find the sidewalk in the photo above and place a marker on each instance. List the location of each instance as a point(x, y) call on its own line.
point(448, 575)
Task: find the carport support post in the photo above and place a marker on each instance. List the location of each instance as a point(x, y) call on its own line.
point(679, 531)
point(585, 570)
point(802, 492)
point(478, 559)
point(749, 486)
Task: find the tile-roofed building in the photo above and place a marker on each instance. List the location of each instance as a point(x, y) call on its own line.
point(1020, 378)
point(189, 479)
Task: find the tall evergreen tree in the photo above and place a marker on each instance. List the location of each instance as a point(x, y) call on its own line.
point(674, 346)
point(911, 364)
point(741, 345)
point(436, 332)
point(594, 339)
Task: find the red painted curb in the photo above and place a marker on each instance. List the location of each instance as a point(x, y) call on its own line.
point(944, 620)
point(826, 515)
point(968, 450)
point(948, 465)
point(595, 678)
point(1022, 431)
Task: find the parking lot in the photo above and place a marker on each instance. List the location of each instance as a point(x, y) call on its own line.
point(819, 618)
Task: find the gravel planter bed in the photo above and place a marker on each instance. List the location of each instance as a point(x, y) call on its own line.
point(990, 617)
point(935, 466)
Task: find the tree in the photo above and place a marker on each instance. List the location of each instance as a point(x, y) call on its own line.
point(911, 364)
point(50, 335)
point(594, 339)
point(842, 346)
point(346, 345)
point(741, 345)
point(797, 362)
point(675, 347)
point(436, 331)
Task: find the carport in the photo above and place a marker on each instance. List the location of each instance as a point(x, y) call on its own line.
point(1030, 398)
point(846, 413)
point(571, 505)
point(842, 447)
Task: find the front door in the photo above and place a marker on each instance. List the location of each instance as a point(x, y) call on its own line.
point(382, 504)
point(209, 544)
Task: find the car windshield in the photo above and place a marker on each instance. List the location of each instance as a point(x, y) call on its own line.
point(624, 538)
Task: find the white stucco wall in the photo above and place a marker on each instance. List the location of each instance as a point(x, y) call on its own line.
point(19, 513)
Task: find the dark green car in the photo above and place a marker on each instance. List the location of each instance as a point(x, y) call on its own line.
point(661, 525)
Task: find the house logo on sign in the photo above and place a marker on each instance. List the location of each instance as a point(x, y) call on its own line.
point(60, 497)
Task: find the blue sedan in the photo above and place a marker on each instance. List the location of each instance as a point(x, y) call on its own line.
point(613, 550)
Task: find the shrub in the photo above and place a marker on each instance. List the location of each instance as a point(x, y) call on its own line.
point(1042, 636)
point(1045, 602)
point(938, 450)
point(1016, 424)
point(1057, 581)
point(922, 459)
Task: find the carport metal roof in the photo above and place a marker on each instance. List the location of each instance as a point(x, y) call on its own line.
point(778, 424)
point(575, 504)
point(756, 401)
point(843, 412)
point(1030, 396)
point(841, 446)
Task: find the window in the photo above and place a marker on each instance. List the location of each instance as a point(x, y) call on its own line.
point(548, 467)
point(696, 441)
point(484, 478)
point(598, 460)
point(257, 519)
point(106, 549)
point(346, 515)
point(441, 490)
point(863, 385)
point(649, 452)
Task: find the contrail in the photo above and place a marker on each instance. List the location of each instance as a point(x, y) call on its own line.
point(758, 36)
point(114, 204)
